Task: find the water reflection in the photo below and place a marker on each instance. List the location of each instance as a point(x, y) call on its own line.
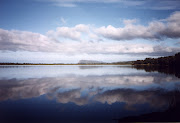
point(162, 69)
point(84, 89)
point(86, 85)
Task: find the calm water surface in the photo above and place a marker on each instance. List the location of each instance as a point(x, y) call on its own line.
point(82, 93)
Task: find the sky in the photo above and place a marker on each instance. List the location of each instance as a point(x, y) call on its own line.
point(66, 31)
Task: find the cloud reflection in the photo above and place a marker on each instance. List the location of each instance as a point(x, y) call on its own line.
point(81, 90)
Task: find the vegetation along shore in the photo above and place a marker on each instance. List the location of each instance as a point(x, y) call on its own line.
point(170, 61)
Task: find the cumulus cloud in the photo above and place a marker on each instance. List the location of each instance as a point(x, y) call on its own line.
point(73, 33)
point(155, 30)
point(86, 39)
point(34, 42)
point(15, 40)
point(129, 21)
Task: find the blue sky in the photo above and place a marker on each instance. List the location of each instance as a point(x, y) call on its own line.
point(71, 30)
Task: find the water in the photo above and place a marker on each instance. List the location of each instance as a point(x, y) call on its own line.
point(83, 93)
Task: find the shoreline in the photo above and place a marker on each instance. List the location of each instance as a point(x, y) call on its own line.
point(60, 64)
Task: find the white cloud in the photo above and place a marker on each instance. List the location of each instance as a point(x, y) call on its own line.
point(140, 4)
point(85, 39)
point(82, 28)
point(155, 30)
point(34, 42)
point(73, 33)
point(15, 40)
point(129, 21)
point(65, 4)
point(65, 32)
point(74, 3)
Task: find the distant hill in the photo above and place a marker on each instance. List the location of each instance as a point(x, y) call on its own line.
point(123, 62)
point(90, 62)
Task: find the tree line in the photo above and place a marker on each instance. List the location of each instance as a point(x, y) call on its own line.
point(161, 61)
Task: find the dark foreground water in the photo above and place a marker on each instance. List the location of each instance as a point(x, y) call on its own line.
point(55, 94)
